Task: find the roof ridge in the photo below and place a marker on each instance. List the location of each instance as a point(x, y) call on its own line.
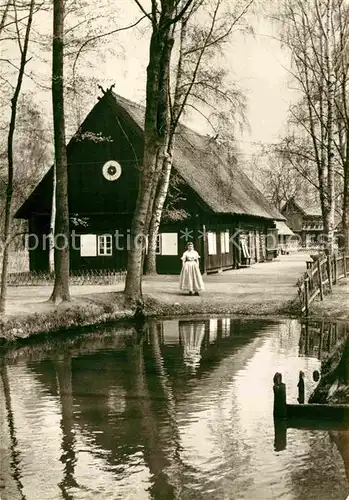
point(143, 108)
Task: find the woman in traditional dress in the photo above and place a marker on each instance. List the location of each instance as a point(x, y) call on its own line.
point(190, 278)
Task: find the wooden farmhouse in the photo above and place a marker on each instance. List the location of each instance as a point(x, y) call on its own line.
point(211, 201)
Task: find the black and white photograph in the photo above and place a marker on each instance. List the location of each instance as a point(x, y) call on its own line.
point(174, 250)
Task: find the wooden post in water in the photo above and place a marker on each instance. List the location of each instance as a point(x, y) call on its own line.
point(280, 434)
point(321, 287)
point(279, 388)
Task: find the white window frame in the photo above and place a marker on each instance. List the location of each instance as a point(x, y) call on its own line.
point(107, 247)
point(211, 243)
point(222, 243)
point(225, 242)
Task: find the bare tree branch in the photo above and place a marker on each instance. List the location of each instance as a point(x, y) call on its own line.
point(182, 12)
point(146, 14)
point(102, 35)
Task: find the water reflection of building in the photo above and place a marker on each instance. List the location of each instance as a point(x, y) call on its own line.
point(319, 337)
point(118, 399)
point(204, 339)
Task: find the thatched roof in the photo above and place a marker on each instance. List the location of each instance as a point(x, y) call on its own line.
point(311, 209)
point(205, 166)
point(202, 164)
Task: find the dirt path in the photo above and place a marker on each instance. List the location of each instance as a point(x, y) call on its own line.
point(262, 288)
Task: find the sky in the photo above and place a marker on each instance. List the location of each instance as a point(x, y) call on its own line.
point(262, 69)
point(257, 62)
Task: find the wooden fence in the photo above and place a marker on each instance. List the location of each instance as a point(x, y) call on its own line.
point(84, 277)
point(322, 272)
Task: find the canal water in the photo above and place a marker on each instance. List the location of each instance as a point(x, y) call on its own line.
point(176, 409)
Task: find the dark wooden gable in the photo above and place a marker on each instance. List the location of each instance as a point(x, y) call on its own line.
point(294, 215)
point(108, 133)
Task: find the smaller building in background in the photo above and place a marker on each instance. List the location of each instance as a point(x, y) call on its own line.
point(305, 220)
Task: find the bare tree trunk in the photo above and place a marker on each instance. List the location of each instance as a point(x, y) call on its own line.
point(61, 251)
point(159, 202)
point(343, 122)
point(166, 164)
point(133, 290)
point(345, 206)
point(331, 83)
point(51, 256)
point(155, 136)
point(181, 95)
point(9, 190)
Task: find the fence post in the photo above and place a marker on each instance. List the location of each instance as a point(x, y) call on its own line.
point(344, 265)
point(320, 280)
point(329, 272)
point(335, 273)
point(306, 295)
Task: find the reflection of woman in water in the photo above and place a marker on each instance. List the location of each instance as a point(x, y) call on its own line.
point(192, 334)
point(190, 278)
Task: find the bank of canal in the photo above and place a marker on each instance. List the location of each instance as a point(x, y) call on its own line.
point(179, 409)
point(263, 289)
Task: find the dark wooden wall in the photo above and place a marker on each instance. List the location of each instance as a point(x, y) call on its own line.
point(294, 217)
point(38, 245)
point(89, 191)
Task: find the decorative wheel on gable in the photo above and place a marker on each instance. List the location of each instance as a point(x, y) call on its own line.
point(111, 170)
